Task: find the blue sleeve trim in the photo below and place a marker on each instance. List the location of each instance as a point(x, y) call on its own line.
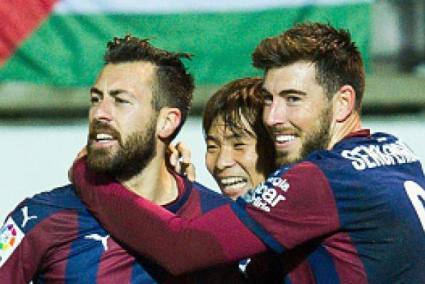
point(239, 208)
point(174, 207)
point(322, 266)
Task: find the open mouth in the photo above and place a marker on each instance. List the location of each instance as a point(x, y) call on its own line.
point(284, 138)
point(232, 183)
point(102, 134)
point(282, 141)
point(103, 138)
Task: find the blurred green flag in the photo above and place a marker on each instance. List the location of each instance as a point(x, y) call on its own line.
point(61, 42)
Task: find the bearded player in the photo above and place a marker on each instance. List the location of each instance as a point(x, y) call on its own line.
point(138, 104)
point(348, 202)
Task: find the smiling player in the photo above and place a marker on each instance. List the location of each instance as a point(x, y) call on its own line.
point(238, 148)
point(350, 205)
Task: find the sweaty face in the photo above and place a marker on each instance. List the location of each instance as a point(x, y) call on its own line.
point(122, 137)
point(232, 159)
point(297, 112)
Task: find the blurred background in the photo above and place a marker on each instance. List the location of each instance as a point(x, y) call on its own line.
point(51, 51)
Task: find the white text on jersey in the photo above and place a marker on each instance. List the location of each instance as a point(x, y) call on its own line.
point(268, 194)
point(378, 155)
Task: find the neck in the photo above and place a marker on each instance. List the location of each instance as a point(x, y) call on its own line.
point(341, 129)
point(154, 182)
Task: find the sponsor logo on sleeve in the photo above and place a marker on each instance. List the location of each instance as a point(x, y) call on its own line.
point(10, 238)
point(268, 194)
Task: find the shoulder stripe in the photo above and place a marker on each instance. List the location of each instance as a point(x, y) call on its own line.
point(187, 190)
point(239, 209)
point(323, 267)
point(87, 249)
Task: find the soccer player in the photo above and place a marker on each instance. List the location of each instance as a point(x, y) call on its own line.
point(138, 104)
point(347, 202)
point(238, 156)
point(238, 148)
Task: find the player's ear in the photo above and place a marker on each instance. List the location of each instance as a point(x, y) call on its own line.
point(168, 121)
point(344, 101)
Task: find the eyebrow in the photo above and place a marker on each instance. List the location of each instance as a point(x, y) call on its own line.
point(95, 91)
point(292, 91)
point(116, 92)
point(210, 137)
point(264, 91)
point(113, 93)
point(227, 137)
point(285, 92)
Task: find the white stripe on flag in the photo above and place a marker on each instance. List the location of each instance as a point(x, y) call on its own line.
point(177, 6)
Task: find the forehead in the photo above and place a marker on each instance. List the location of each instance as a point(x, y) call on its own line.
point(219, 128)
point(297, 76)
point(140, 74)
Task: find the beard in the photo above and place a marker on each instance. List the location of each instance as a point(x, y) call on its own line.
point(317, 138)
point(129, 159)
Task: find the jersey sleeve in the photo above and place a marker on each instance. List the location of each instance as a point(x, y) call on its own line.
point(227, 233)
point(20, 250)
point(293, 206)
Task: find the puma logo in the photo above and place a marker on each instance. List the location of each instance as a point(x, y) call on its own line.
point(26, 216)
point(99, 238)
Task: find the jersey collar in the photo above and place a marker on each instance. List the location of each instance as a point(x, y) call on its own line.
point(184, 190)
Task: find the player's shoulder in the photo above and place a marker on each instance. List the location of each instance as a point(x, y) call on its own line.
point(60, 197)
point(377, 151)
point(45, 204)
point(208, 192)
point(44, 219)
point(303, 168)
point(361, 140)
point(209, 196)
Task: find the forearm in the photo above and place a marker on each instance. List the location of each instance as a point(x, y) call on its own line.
point(177, 244)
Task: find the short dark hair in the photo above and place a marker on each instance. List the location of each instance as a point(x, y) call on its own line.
point(174, 85)
point(241, 99)
point(337, 59)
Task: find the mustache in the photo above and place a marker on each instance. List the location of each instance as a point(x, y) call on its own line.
point(283, 129)
point(101, 127)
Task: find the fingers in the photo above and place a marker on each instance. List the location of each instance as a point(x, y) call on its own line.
point(184, 153)
point(173, 157)
point(180, 158)
point(82, 153)
point(186, 166)
point(189, 171)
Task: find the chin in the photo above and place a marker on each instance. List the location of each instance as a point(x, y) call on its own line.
point(99, 162)
point(234, 194)
point(288, 159)
point(99, 166)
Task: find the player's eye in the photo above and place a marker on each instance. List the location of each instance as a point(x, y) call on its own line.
point(94, 99)
point(239, 145)
point(292, 99)
point(121, 100)
point(211, 147)
point(267, 99)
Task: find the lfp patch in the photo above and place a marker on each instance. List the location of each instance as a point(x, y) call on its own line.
point(10, 237)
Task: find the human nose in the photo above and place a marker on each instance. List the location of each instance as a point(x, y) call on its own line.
point(102, 111)
point(275, 114)
point(224, 158)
